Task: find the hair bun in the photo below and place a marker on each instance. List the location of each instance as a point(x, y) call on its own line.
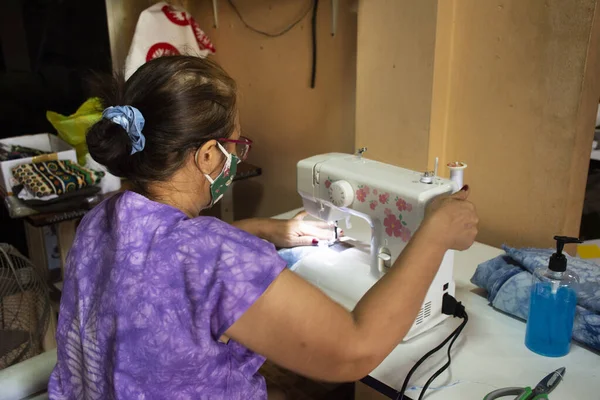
point(109, 145)
point(169, 107)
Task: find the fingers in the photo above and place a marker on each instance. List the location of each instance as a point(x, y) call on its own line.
point(301, 215)
point(319, 224)
point(318, 231)
point(303, 241)
point(462, 194)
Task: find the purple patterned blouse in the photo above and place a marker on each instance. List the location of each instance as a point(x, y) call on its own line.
point(147, 293)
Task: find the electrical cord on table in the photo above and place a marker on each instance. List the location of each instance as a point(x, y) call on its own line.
point(450, 306)
point(425, 357)
point(445, 366)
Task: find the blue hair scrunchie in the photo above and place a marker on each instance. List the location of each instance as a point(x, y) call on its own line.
point(132, 120)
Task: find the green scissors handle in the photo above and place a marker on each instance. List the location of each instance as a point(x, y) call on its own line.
point(528, 394)
point(521, 393)
point(546, 385)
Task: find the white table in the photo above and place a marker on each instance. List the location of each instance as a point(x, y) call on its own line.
point(489, 354)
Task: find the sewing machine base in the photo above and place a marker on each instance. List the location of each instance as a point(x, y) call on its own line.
point(345, 277)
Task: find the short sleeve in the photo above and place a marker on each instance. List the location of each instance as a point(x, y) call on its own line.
point(244, 267)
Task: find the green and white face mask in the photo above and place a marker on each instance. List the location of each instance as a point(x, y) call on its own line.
point(221, 183)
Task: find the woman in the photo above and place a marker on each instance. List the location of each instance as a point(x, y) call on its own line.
point(161, 303)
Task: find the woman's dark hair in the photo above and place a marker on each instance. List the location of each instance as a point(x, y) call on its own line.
point(185, 101)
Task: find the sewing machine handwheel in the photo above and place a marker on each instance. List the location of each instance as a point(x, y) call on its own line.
point(341, 193)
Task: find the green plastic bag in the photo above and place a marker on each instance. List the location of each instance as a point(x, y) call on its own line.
point(73, 128)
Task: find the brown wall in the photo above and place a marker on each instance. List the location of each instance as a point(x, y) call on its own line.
point(396, 43)
point(523, 93)
point(514, 94)
point(285, 117)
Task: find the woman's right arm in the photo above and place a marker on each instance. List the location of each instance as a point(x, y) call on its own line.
point(299, 328)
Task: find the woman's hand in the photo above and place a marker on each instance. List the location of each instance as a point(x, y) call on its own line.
point(453, 220)
point(298, 232)
point(288, 233)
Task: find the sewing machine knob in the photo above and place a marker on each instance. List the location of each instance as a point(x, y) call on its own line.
point(427, 177)
point(341, 193)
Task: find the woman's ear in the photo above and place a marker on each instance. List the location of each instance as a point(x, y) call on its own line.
point(207, 157)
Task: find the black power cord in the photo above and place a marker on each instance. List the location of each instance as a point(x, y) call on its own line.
point(445, 366)
point(282, 32)
point(313, 5)
point(450, 306)
point(313, 22)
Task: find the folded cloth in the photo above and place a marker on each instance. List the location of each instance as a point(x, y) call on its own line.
point(37, 202)
point(25, 195)
point(507, 279)
point(82, 199)
point(55, 177)
point(14, 152)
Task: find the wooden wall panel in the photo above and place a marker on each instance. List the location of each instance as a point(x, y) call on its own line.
point(396, 47)
point(521, 107)
point(510, 87)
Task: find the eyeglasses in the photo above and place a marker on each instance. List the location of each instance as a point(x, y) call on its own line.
point(242, 146)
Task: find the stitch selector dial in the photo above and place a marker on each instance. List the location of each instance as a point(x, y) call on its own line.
point(341, 194)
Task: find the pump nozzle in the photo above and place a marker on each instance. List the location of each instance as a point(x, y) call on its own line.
point(562, 240)
point(558, 262)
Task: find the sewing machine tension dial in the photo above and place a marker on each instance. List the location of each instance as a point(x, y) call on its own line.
point(341, 193)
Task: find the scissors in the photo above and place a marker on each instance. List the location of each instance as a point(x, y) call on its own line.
point(546, 385)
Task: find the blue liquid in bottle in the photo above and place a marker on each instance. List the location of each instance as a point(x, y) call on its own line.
point(552, 305)
point(551, 316)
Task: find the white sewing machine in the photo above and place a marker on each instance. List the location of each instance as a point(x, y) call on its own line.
point(392, 201)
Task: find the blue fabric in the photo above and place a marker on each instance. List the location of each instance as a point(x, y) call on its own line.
point(130, 119)
point(292, 255)
point(507, 279)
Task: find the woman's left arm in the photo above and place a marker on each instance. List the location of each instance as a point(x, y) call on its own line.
point(287, 233)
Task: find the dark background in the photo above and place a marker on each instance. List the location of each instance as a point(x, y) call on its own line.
point(48, 48)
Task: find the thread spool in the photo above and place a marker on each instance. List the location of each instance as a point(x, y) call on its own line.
point(457, 170)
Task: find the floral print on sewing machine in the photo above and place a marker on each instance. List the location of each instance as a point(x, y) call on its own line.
point(395, 224)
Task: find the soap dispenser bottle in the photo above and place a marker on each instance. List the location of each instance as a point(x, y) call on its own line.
point(552, 305)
